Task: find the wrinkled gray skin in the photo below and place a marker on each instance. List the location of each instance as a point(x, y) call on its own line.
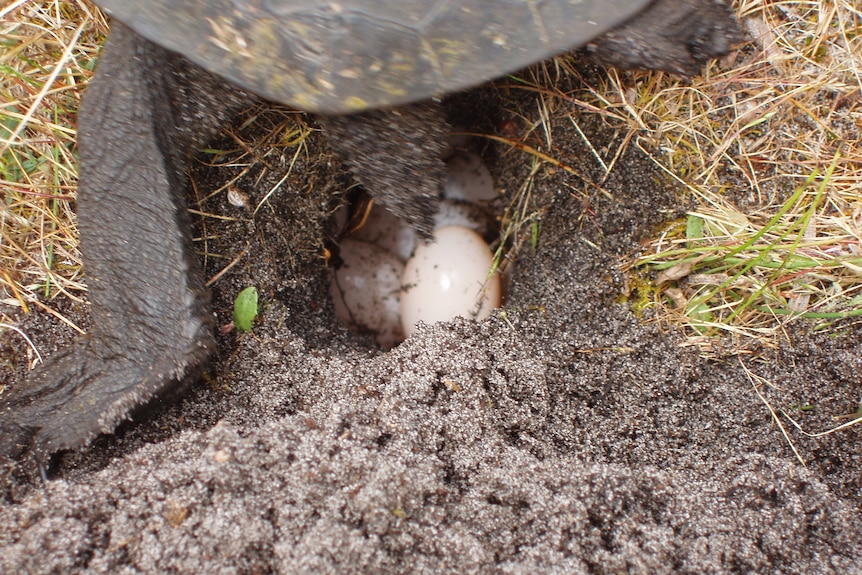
point(143, 115)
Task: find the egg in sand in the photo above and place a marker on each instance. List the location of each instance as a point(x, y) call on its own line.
point(375, 291)
point(449, 277)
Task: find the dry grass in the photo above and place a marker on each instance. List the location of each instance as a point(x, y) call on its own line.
point(47, 55)
point(767, 145)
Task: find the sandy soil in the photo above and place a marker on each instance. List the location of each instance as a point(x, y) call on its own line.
point(563, 435)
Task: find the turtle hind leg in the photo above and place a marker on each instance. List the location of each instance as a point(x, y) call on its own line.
point(397, 156)
point(151, 327)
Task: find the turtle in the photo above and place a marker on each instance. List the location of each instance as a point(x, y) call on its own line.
point(372, 70)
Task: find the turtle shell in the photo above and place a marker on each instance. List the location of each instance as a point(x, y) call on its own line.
point(350, 55)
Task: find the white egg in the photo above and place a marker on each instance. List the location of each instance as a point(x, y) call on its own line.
point(468, 179)
point(366, 291)
point(388, 231)
point(449, 278)
point(374, 291)
point(471, 216)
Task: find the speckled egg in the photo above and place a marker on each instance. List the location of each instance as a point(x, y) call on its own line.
point(366, 291)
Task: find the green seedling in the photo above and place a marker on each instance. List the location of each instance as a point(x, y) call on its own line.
point(245, 309)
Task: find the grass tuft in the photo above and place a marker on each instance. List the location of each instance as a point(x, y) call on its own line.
point(767, 145)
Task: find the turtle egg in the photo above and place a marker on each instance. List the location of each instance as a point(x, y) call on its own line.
point(449, 278)
point(468, 179)
point(387, 231)
point(366, 291)
point(451, 213)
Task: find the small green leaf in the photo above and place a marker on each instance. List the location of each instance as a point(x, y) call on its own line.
point(245, 309)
